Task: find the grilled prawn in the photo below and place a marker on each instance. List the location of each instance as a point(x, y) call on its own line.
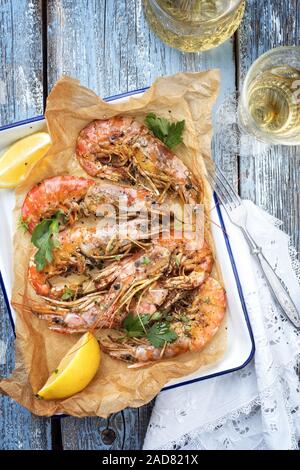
point(123, 150)
point(195, 319)
point(106, 309)
point(76, 196)
point(83, 249)
point(142, 283)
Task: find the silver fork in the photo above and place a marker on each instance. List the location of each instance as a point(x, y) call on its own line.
point(237, 213)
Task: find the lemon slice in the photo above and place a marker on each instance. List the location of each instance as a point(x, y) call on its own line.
point(75, 371)
point(21, 156)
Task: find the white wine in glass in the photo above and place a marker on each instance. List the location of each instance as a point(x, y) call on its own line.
point(194, 25)
point(270, 102)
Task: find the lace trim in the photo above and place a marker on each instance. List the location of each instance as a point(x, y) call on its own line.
point(244, 410)
point(295, 260)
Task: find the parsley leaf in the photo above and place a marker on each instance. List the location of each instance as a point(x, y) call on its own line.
point(44, 237)
point(156, 316)
point(68, 294)
point(159, 333)
point(145, 260)
point(159, 126)
point(184, 319)
point(135, 325)
point(170, 133)
point(175, 134)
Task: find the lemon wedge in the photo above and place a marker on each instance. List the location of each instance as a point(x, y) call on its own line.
point(16, 161)
point(75, 371)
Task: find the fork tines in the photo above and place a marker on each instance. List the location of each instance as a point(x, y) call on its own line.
point(223, 188)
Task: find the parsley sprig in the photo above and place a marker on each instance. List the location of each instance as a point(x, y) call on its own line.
point(145, 260)
point(67, 294)
point(157, 332)
point(170, 133)
point(44, 237)
point(135, 325)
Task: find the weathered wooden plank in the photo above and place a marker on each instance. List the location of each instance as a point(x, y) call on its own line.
point(271, 180)
point(21, 96)
point(125, 430)
point(21, 59)
point(108, 46)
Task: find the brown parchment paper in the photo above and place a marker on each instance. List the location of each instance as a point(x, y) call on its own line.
point(70, 106)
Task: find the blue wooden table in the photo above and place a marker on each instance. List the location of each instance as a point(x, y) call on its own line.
point(107, 45)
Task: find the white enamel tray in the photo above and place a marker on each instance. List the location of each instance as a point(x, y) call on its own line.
point(240, 349)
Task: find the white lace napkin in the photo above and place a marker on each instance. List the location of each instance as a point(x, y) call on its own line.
point(257, 407)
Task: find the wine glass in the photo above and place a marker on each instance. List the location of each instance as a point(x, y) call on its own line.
point(269, 106)
point(194, 25)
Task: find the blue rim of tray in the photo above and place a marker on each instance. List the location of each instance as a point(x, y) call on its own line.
point(244, 308)
point(231, 257)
